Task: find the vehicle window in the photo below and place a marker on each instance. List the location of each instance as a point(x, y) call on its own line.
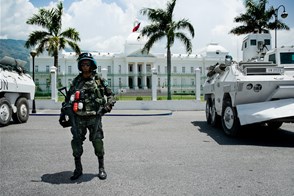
point(253, 42)
point(272, 58)
point(287, 58)
point(267, 42)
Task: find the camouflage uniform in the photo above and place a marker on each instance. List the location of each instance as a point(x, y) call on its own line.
point(92, 93)
point(94, 90)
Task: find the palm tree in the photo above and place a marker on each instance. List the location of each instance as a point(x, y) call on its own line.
point(53, 39)
point(162, 25)
point(257, 18)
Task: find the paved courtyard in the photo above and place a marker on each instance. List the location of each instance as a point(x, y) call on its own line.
point(175, 154)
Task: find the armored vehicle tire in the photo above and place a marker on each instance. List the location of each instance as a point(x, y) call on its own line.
point(208, 111)
point(229, 119)
point(5, 111)
point(274, 125)
point(22, 112)
point(211, 116)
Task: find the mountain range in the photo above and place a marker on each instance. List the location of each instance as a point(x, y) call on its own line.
point(15, 49)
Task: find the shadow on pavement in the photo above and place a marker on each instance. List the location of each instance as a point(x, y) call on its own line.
point(249, 135)
point(63, 178)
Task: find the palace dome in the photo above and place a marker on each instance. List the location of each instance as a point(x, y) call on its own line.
point(134, 42)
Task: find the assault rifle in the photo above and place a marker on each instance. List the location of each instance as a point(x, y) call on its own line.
point(107, 107)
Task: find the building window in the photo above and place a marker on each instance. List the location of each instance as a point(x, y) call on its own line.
point(69, 82)
point(192, 69)
point(175, 69)
point(183, 82)
point(69, 70)
point(130, 68)
point(58, 69)
point(109, 81)
point(47, 68)
point(158, 81)
point(253, 42)
point(139, 68)
point(119, 69)
point(36, 68)
point(175, 82)
point(59, 84)
point(158, 69)
point(119, 82)
point(109, 69)
point(47, 83)
point(99, 69)
point(192, 82)
point(183, 69)
point(148, 68)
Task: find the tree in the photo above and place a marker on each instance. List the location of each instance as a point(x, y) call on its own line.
point(162, 25)
point(53, 39)
point(257, 18)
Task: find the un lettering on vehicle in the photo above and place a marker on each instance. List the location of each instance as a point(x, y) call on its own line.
point(3, 84)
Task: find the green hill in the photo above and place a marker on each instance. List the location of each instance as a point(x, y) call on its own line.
point(15, 49)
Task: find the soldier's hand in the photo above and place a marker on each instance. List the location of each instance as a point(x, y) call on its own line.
point(63, 121)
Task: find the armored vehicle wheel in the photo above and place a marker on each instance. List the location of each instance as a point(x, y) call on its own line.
point(208, 111)
point(211, 116)
point(230, 121)
point(215, 119)
point(5, 111)
point(274, 125)
point(22, 112)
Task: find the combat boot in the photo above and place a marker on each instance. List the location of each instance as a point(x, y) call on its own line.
point(102, 174)
point(79, 169)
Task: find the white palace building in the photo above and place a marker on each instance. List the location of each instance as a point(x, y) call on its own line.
point(130, 70)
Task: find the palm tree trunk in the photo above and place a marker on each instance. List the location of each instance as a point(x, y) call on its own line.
point(168, 73)
point(56, 66)
point(56, 60)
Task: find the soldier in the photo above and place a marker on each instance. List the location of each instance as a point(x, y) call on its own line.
point(87, 103)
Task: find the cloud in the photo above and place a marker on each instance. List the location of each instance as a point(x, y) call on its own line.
point(13, 19)
point(105, 26)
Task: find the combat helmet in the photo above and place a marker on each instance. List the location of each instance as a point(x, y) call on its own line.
point(86, 56)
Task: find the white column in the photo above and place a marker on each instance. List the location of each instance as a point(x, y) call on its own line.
point(198, 81)
point(135, 76)
point(54, 95)
point(144, 78)
point(154, 84)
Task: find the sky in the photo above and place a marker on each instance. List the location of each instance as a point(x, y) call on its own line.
point(104, 25)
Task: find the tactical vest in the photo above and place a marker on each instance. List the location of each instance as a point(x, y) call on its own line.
point(91, 95)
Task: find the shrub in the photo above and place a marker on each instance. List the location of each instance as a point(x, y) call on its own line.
point(139, 98)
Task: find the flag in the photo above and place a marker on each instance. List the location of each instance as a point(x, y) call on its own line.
point(136, 27)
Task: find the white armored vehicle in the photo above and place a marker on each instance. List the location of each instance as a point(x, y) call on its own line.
point(259, 90)
point(16, 88)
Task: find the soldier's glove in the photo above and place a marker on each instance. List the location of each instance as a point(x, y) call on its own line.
point(107, 108)
point(63, 121)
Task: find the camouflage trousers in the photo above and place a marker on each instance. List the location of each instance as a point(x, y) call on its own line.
point(94, 125)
